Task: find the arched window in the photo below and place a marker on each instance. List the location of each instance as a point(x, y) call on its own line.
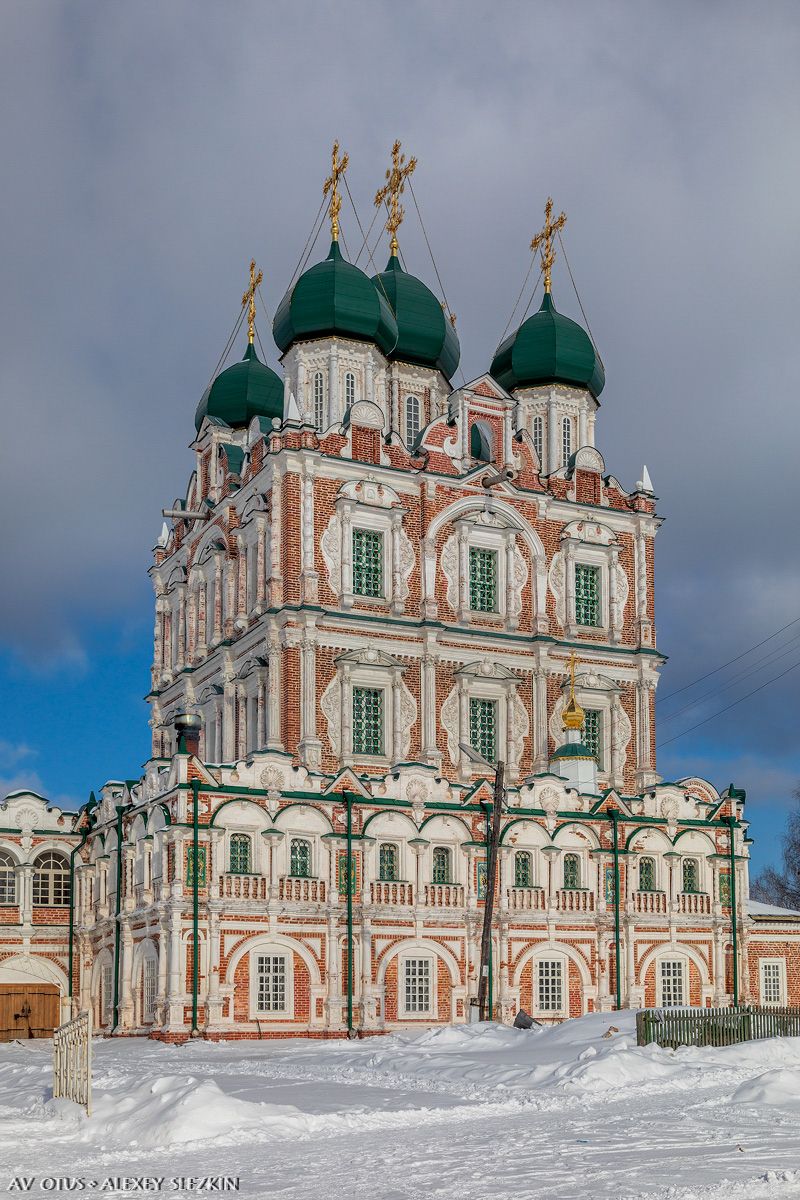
point(241, 854)
point(538, 437)
point(149, 987)
point(647, 875)
point(412, 420)
point(566, 441)
point(480, 442)
point(349, 389)
point(441, 864)
point(572, 871)
point(300, 858)
point(51, 879)
point(8, 879)
point(523, 869)
point(319, 400)
point(388, 861)
point(690, 875)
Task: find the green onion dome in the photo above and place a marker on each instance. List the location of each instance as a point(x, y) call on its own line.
point(424, 334)
point(334, 297)
point(548, 348)
point(247, 389)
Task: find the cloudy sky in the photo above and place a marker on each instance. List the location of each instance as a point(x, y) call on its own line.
point(149, 150)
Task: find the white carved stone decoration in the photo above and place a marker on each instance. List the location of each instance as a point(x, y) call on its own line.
point(449, 719)
point(520, 578)
point(407, 561)
point(622, 595)
point(623, 732)
point(417, 792)
point(366, 414)
point(555, 724)
point(520, 728)
point(331, 547)
point(369, 491)
point(450, 570)
point(331, 705)
point(556, 577)
point(408, 717)
point(549, 803)
point(591, 532)
point(589, 459)
point(272, 779)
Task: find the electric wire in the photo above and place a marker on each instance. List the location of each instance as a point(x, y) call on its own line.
point(369, 253)
point(428, 244)
point(730, 662)
point(309, 246)
point(746, 673)
point(519, 297)
point(728, 707)
point(228, 345)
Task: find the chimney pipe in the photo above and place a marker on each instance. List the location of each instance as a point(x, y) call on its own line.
point(187, 729)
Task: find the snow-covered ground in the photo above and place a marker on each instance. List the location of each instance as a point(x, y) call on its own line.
point(475, 1113)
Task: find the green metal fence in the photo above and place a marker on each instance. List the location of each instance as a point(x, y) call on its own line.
point(714, 1026)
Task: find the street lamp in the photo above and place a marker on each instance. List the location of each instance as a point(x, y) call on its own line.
point(492, 843)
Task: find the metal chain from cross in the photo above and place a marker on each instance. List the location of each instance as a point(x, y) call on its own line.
point(393, 188)
point(545, 239)
point(249, 297)
point(332, 185)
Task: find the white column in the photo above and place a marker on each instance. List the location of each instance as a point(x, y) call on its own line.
point(180, 593)
point(346, 747)
point(242, 715)
point(614, 614)
point(430, 750)
point(229, 721)
point(347, 556)
point(569, 584)
point(395, 750)
point(463, 729)
point(398, 605)
point(334, 416)
point(553, 458)
point(276, 576)
point(369, 382)
point(463, 570)
point(261, 561)
point(581, 427)
point(510, 541)
point(310, 745)
point(274, 740)
point(309, 578)
point(219, 595)
point(541, 755)
point(25, 892)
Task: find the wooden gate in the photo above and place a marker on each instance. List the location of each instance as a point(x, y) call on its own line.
point(28, 1010)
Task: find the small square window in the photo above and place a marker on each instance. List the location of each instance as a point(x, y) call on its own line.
point(482, 579)
point(367, 721)
point(367, 563)
point(587, 595)
point(483, 727)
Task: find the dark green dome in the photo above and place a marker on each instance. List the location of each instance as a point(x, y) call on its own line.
point(334, 297)
point(247, 389)
point(424, 335)
point(548, 348)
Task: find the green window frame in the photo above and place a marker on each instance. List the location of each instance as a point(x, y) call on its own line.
point(241, 854)
point(572, 872)
point(368, 563)
point(647, 874)
point(587, 595)
point(483, 727)
point(523, 869)
point(388, 862)
point(441, 865)
point(482, 579)
point(593, 733)
point(300, 858)
point(691, 875)
point(367, 720)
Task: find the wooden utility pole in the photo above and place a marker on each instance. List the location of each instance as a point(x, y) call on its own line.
point(493, 842)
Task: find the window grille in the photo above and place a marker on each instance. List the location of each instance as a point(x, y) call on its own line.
point(51, 880)
point(566, 441)
point(241, 860)
point(367, 721)
point(672, 990)
point(482, 876)
point(106, 995)
point(482, 579)
point(771, 983)
point(483, 727)
point(690, 876)
point(8, 880)
point(271, 985)
point(418, 985)
point(342, 875)
point(587, 595)
point(349, 389)
point(572, 871)
point(367, 562)
point(319, 400)
point(593, 733)
point(300, 858)
point(538, 438)
point(523, 869)
point(412, 420)
point(551, 990)
point(647, 875)
point(388, 865)
point(149, 985)
point(441, 864)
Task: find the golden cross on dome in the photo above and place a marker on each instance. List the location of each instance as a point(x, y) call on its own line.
point(332, 186)
point(250, 297)
point(393, 188)
point(545, 238)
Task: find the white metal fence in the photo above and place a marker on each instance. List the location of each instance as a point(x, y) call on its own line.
point(72, 1061)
